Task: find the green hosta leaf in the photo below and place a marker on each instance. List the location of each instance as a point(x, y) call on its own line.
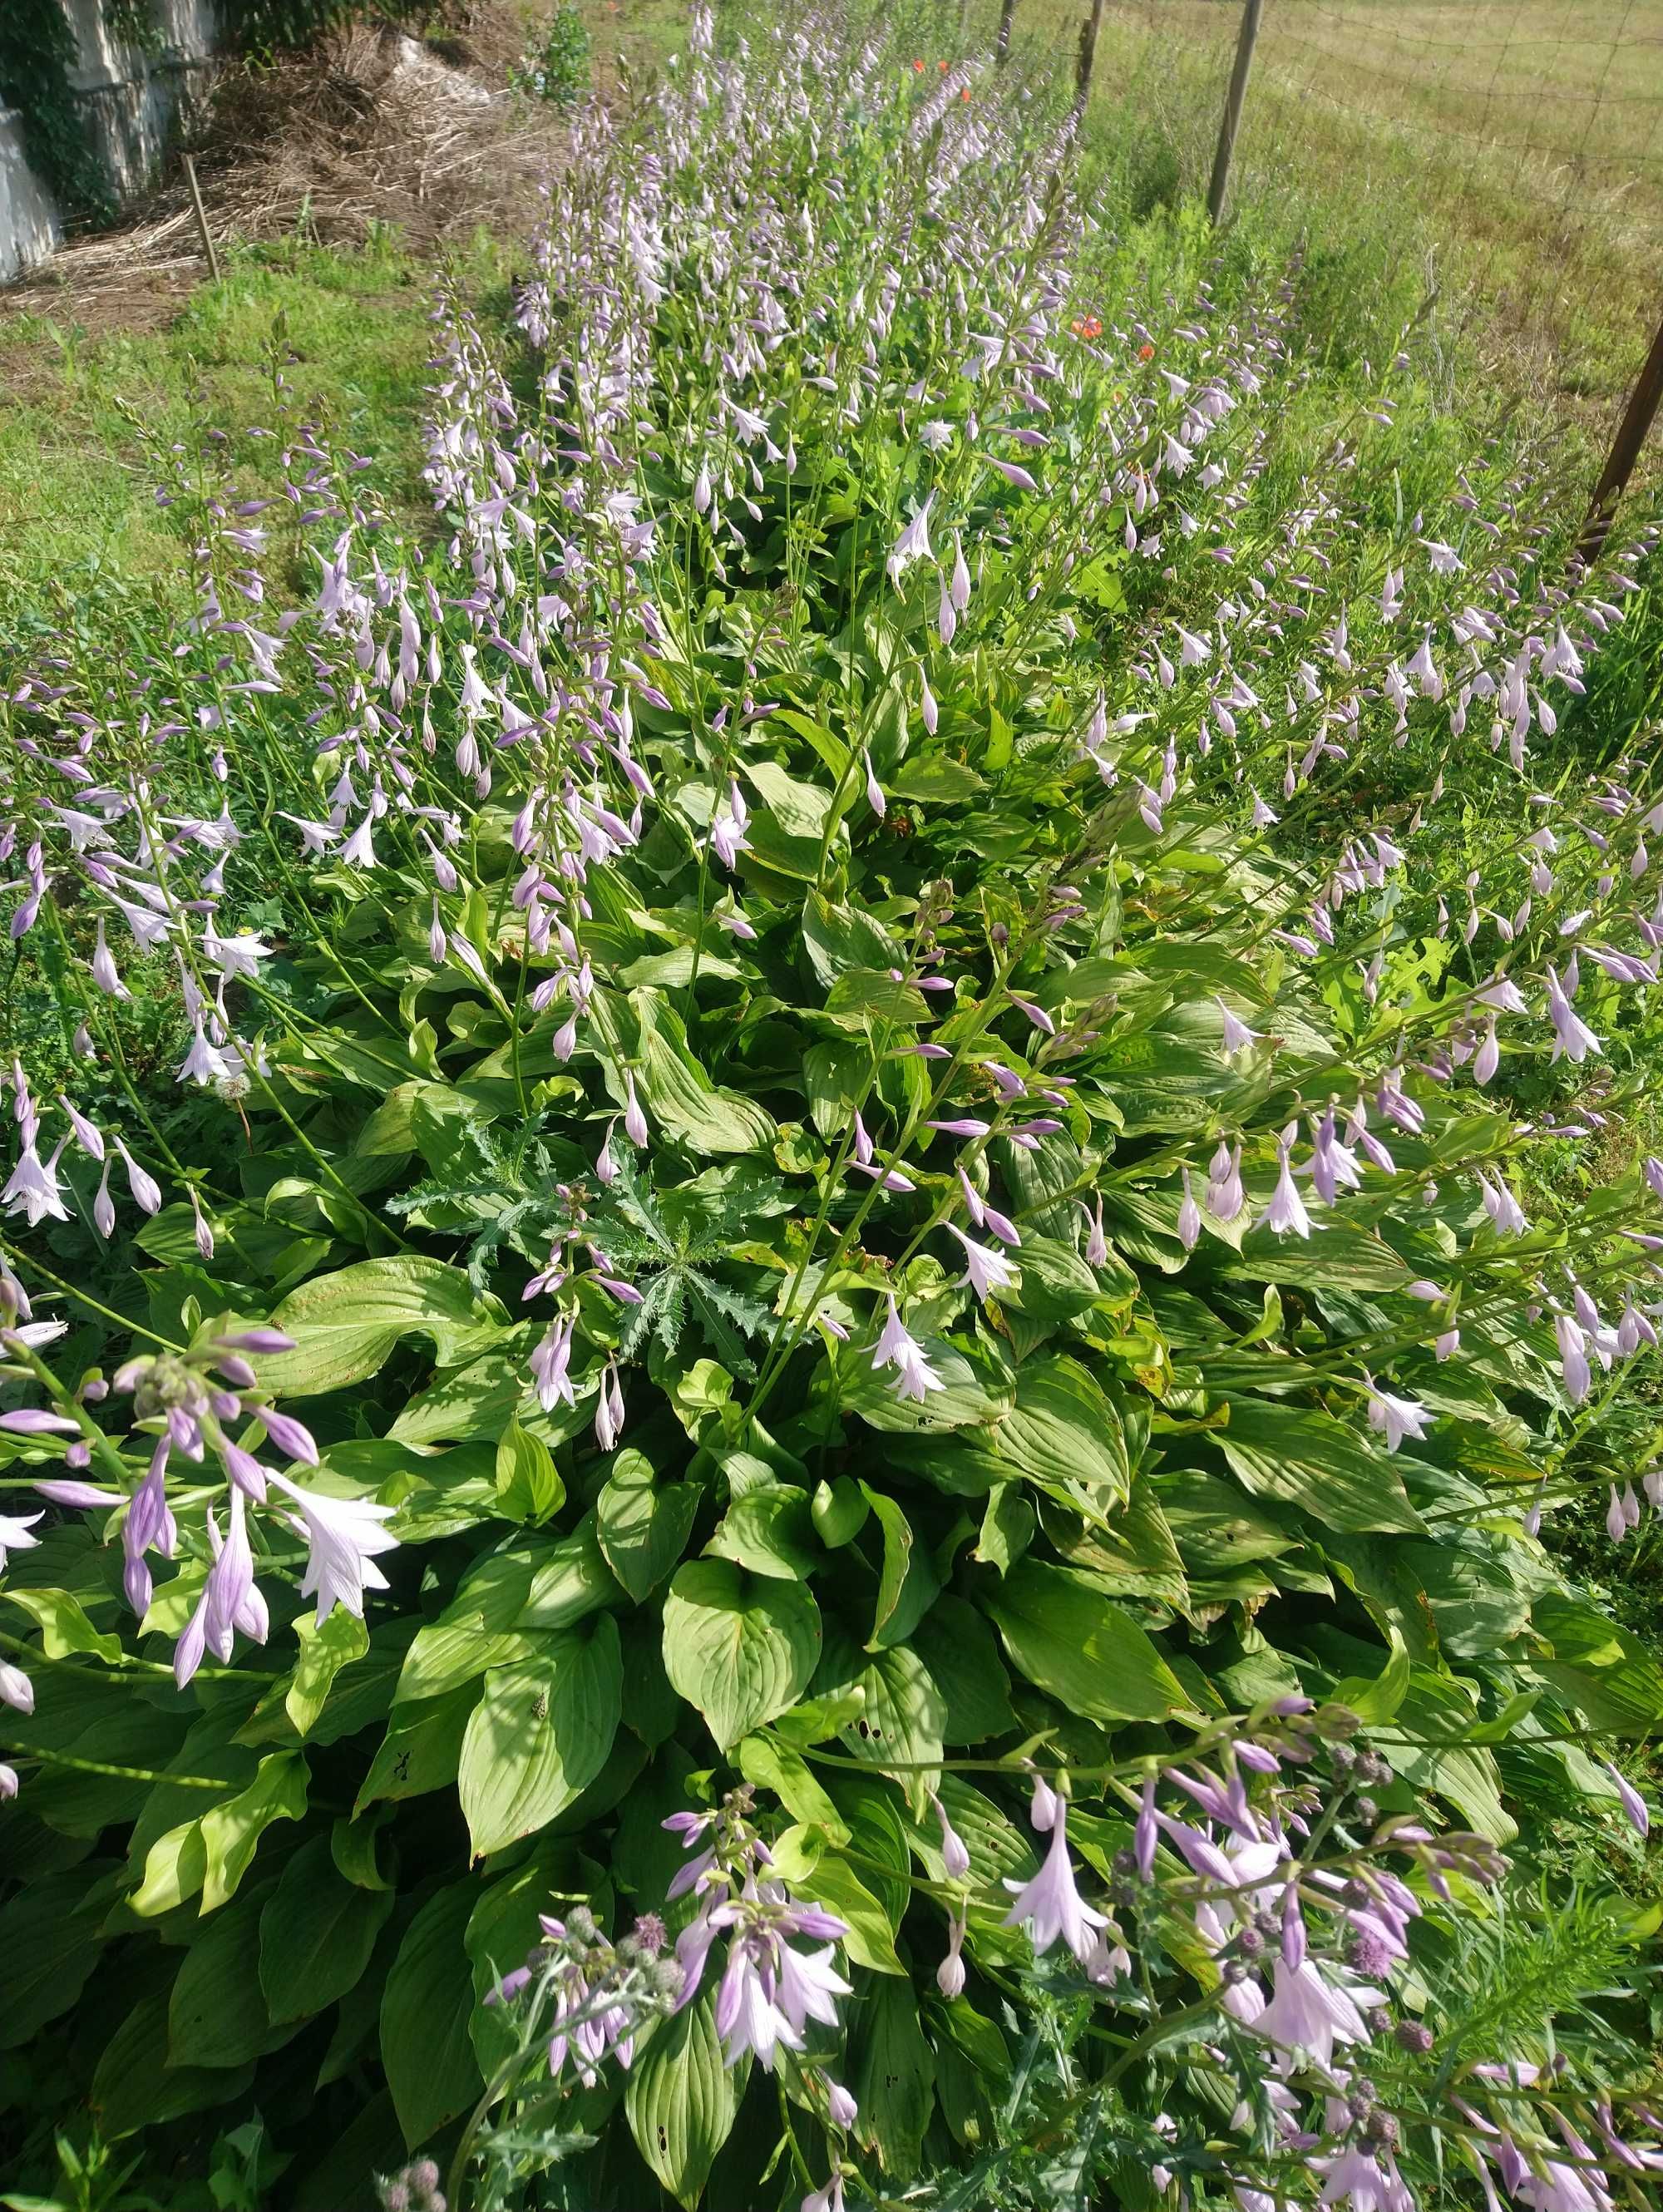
point(933, 779)
point(769, 1530)
point(345, 1325)
point(643, 1525)
point(902, 1718)
point(870, 1939)
point(1008, 1523)
point(875, 992)
point(539, 1736)
point(324, 1652)
point(131, 2089)
point(1597, 1666)
point(64, 1625)
point(231, 1832)
point(678, 1094)
point(907, 1582)
point(864, 1390)
point(1065, 1434)
point(216, 2016)
point(528, 1488)
point(839, 938)
point(425, 2011)
point(568, 1581)
point(316, 1933)
point(1378, 1700)
point(894, 2077)
point(50, 1943)
point(420, 1750)
point(740, 1648)
point(769, 1763)
point(1081, 1647)
point(957, 1647)
point(682, 2101)
point(1312, 1460)
point(799, 808)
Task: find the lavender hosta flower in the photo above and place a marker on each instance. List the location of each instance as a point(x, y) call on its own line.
point(635, 1119)
point(1504, 1210)
point(1395, 1418)
point(985, 1270)
point(15, 1534)
point(609, 1408)
point(15, 1688)
point(950, 1974)
point(1307, 2013)
point(80, 1497)
point(770, 1991)
point(1572, 1357)
point(1096, 1243)
point(33, 1188)
point(343, 1536)
point(1226, 1197)
point(146, 1191)
point(912, 544)
point(1633, 1803)
point(1364, 2177)
point(727, 830)
point(1238, 1037)
point(842, 2109)
point(914, 1377)
point(1189, 1218)
point(36, 1421)
point(1050, 1905)
point(1285, 1215)
point(1571, 1035)
point(289, 1435)
point(954, 1855)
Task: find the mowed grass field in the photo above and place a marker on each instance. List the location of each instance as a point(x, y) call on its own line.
point(1515, 147)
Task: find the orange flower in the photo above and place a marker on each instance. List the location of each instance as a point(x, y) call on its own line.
point(1087, 326)
point(942, 66)
point(965, 93)
point(1145, 353)
point(919, 66)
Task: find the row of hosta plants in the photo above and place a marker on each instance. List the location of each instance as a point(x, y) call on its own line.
point(785, 1392)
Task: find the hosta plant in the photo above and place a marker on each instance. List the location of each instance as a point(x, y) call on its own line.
point(843, 1233)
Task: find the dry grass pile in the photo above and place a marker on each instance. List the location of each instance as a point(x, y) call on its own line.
point(368, 127)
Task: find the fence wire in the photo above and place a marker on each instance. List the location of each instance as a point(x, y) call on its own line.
point(1520, 141)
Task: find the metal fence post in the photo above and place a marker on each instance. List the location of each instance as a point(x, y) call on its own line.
point(1233, 100)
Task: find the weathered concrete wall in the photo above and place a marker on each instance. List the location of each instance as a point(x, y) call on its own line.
point(29, 220)
point(130, 101)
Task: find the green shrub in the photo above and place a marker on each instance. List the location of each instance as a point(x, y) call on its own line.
point(558, 70)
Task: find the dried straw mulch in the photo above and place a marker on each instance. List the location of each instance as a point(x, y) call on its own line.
point(368, 127)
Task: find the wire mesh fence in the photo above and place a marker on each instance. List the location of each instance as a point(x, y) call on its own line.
point(1515, 145)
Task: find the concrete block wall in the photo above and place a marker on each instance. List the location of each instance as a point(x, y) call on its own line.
point(130, 99)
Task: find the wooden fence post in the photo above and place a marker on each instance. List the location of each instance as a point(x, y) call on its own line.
point(1637, 418)
point(1088, 31)
point(203, 231)
point(1233, 100)
point(1002, 44)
